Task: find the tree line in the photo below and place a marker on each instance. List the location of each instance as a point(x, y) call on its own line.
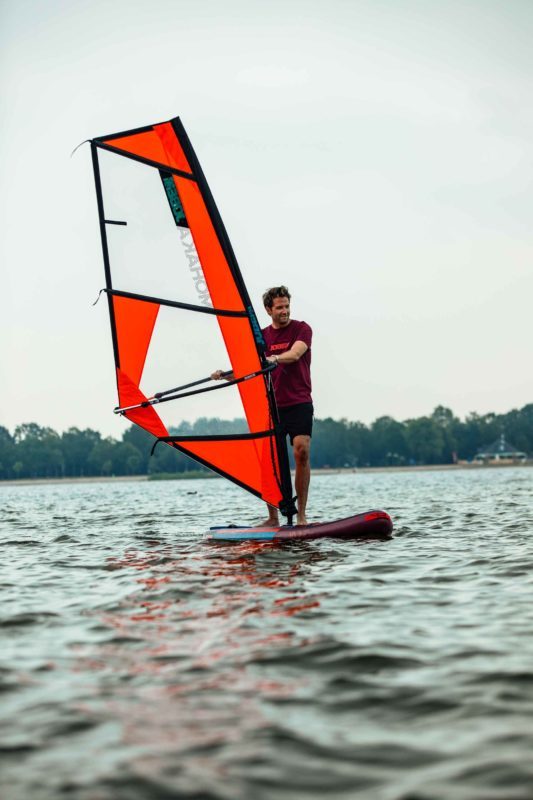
point(32, 451)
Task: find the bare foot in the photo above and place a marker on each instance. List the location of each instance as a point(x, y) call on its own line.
point(301, 520)
point(268, 523)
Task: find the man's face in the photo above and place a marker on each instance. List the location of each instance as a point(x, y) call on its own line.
point(280, 312)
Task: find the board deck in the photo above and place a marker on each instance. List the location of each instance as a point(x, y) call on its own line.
point(369, 525)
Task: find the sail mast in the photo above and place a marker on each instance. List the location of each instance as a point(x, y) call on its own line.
point(105, 249)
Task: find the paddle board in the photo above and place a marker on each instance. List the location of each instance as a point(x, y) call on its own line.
point(369, 525)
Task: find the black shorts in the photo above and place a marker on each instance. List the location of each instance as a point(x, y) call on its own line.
point(297, 420)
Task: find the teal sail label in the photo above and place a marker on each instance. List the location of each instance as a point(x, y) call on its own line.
point(174, 200)
point(256, 328)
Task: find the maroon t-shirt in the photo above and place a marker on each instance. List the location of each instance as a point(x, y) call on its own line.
point(292, 382)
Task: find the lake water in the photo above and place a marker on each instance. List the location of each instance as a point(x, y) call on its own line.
point(138, 661)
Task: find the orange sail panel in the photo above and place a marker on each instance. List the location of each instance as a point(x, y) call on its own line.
point(242, 461)
point(237, 333)
point(134, 320)
point(129, 394)
point(159, 145)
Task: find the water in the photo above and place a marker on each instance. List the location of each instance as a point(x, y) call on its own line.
point(139, 662)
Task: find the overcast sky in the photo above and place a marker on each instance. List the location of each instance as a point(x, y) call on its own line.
point(375, 155)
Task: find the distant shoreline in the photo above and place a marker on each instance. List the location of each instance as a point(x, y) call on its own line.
point(316, 472)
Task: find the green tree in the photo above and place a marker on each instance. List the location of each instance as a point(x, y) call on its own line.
point(39, 450)
point(450, 428)
point(212, 426)
point(388, 443)
point(77, 446)
point(330, 443)
point(167, 459)
point(143, 442)
point(7, 453)
point(126, 459)
point(425, 440)
point(358, 442)
point(518, 428)
point(476, 432)
point(34, 451)
point(100, 458)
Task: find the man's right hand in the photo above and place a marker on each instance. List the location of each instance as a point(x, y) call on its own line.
point(217, 376)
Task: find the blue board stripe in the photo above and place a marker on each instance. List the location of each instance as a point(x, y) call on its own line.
point(229, 535)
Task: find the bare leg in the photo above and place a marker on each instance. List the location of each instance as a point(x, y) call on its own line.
point(273, 517)
point(302, 447)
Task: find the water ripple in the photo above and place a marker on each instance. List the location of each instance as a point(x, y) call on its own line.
point(140, 662)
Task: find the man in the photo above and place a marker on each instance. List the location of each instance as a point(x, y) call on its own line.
point(288, 344)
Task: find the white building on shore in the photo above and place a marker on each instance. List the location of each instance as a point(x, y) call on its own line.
point(500, 451)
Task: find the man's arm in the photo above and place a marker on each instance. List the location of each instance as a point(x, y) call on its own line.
point(290, 356)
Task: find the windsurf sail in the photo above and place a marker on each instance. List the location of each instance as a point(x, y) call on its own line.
point(177, 301)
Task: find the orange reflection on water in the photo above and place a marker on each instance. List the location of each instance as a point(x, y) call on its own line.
point(202, 629)
point(192, 650)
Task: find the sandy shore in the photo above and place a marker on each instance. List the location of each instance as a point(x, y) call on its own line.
point(316, 472)
point(425, 468)
point(96, 479)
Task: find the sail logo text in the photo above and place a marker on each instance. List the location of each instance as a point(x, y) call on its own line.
point(174, 200)
point(195, 268)
point(258, 333)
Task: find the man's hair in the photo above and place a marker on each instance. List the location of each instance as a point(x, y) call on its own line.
point(276, 291)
